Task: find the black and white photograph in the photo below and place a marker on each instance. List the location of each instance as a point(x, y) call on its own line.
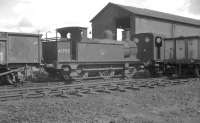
point(106, 61)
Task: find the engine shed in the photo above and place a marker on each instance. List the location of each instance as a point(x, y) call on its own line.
point(139, 20)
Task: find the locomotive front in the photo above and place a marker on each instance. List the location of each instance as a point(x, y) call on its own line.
point(150, 51)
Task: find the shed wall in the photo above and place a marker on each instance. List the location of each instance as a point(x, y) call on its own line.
point(184, 30)
point(145, 25)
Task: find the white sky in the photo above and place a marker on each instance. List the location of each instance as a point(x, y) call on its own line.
point(44, 15)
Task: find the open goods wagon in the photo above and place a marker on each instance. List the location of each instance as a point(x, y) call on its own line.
point(182, 55)
point(179, 56)
point(18, 52)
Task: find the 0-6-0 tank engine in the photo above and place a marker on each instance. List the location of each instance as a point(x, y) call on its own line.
point(76, 56)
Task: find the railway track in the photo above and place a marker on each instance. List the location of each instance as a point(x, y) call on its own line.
point(80, 89)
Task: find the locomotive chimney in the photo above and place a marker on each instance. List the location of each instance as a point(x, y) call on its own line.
point(126, 35)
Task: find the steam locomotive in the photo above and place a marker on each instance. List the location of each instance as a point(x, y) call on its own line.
point(76, 56)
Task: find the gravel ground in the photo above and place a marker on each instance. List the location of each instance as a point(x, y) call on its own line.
point(173, 104)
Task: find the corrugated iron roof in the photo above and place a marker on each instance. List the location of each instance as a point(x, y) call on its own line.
point(155, 14)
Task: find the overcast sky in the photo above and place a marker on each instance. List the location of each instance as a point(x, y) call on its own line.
point(45, 15)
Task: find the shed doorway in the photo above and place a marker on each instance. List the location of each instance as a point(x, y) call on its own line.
point(122, 26)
